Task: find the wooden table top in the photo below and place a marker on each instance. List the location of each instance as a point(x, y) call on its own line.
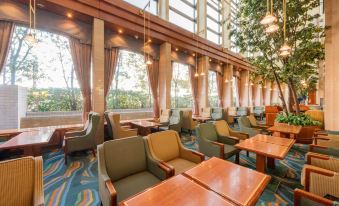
point(273, 140)
point(290, 129)
point(16, 131)
point(145, 124)
point(201, 118)
point(35, 137)
point(178, 190)
point(240, 185)
point(266, 148)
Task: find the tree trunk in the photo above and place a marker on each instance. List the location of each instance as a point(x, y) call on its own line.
point(294, 95)
point(290, 107)
point(281, 93)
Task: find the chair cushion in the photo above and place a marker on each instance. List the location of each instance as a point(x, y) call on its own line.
point(164, 145)
point(229, 151)
point(181, 165)
point(124, 157)
point(222, 128)
point(208, 131)
point(134, 184)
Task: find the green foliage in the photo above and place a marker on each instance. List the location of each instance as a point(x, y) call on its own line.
point(128, 99)
point(299, 120)
point(52, 99)
point(303, 35)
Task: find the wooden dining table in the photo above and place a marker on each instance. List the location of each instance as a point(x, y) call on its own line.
point(178, 190)
point(238, 184)
point(201, 119)
point(286, 131)
point(267, 149)
point(144, 127)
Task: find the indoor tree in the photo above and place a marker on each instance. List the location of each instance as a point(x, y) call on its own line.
point(303, 34)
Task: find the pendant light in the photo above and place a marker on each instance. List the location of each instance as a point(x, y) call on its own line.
point(269, 17)
point(285, 49)
point(147, 38)
point(30, 37)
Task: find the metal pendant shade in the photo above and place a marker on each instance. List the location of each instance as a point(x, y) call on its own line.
point(268, 19)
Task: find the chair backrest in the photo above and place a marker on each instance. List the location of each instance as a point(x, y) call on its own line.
point(244, 122)
point(242, 111)
point(232, 111)
point(109, 125)
point(207, 131)
point(93, 126)
point(317, 115)
point(115, 122)
point(164, 146)
point(222, 128)
point(176, 116)
point(88, 120)
point(124, 157)
point(165, 116)
point(187, 119)
point(206, 112)
point(252, 120)
point(217, 113)
point(17, 181)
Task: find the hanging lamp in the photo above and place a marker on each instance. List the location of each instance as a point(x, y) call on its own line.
point(147, 31)
point(285, 49)
point(30, 37)
point(269, 17)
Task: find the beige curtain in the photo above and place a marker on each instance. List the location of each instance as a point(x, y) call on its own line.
point(81, 55)
point(111, 59)
point(6, 31)
point(194, 89)
point(220, 88)
point(239, 88)
point(153, 80)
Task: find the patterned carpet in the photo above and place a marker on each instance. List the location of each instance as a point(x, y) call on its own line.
point(76, 184)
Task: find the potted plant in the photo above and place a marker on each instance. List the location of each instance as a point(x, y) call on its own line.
point(308, 125)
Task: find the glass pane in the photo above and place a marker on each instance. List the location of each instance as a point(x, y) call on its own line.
point(213, 25)
point(212, 89)
point(182, 7)
point(142, 3)
point(181, 95)
point(213, 37)
point(130, 88)
point(181, 21)
point(213, 13)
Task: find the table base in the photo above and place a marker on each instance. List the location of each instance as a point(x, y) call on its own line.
point(262, 161)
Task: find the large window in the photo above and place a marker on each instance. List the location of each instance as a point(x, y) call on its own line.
point(212, 89)
point(181, 86)
point(142, 3)
point(214, 21)
point(234, 23)
point(44, 73)
point(130, 88)
point(183, 13)
point(235, 91)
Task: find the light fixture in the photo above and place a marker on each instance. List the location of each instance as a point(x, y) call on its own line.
point(147, 33)
point(196, 74)
point(120, 31)
point(272, 29)
point(30, 37)
point(269, 17)
point(285, 49)
point(210, 60)
point(193, 54)
point(69, 15)
point(176, 49)
point(136, 36)
point(226, 81)
point(148, 62)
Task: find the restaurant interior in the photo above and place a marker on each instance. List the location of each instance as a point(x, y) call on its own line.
point(169, 102)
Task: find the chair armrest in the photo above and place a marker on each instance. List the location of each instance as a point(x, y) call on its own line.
point(311, 155)
point(309, 170)
point(168, 170)
point(221, 146)
point(313, 146)
point(239, 135)
point(228, 140)
point(170, 167)
point(75, 133)
point(299, 194)
point(191, 155)
point(200, 155)
point(316, 138)
point(112, 192)
point(38, 183)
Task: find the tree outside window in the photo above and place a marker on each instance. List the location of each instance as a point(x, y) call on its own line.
point(212, 89)
point(181, 95)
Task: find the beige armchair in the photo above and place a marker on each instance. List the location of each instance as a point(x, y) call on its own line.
point(165, 117)
point(166, 147)
point(256, 124)
point(118, 131)
point(21, 182)
point(231, 113)
point(206, 112)
point(188, 123)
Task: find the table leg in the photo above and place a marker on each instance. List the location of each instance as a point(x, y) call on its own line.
point(260, 163)
point(270, 162)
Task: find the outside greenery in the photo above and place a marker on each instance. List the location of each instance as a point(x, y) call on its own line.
point(181, 87)
point(130, 89)
point(45, 69)
point(212, 89)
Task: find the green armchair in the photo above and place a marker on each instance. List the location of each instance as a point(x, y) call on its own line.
point(175, 121)
point(245, 127)
point(126, 168)
point(213, 145)
point(83, 140)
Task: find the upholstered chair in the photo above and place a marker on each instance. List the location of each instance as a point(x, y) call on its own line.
point(175, 121)
point(125, 168)
point(167, 148)
point(316, 115)
point(242, 111)
point(217, 114)
point(258, 112)
point(21, 182)
point(86, 141)
point(323, 161)
point(213, 145)
point(318, 184)
point(119, 131)
point(206, 112)
point(331, 148)
point(109, 125)
point(255, 123)
point(81, 132)
point(245, 126)
point(231, 113)
point(188, 123)
point(165, 116)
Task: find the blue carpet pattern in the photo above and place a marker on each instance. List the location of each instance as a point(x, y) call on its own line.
point(76, 183)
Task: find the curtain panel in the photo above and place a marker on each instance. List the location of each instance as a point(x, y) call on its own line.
point(111, 60)
point(194, 89)
point(220, 88)
point(81, 55)
point(6, 32)
point(153, 80)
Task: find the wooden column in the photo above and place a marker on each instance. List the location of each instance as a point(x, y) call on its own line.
point(163, 9)
point(203, 66)
point(98, 64)
point(331, 107)
point(228, 91)
point(165, 76)
point(202, 18)
point(244, 87)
